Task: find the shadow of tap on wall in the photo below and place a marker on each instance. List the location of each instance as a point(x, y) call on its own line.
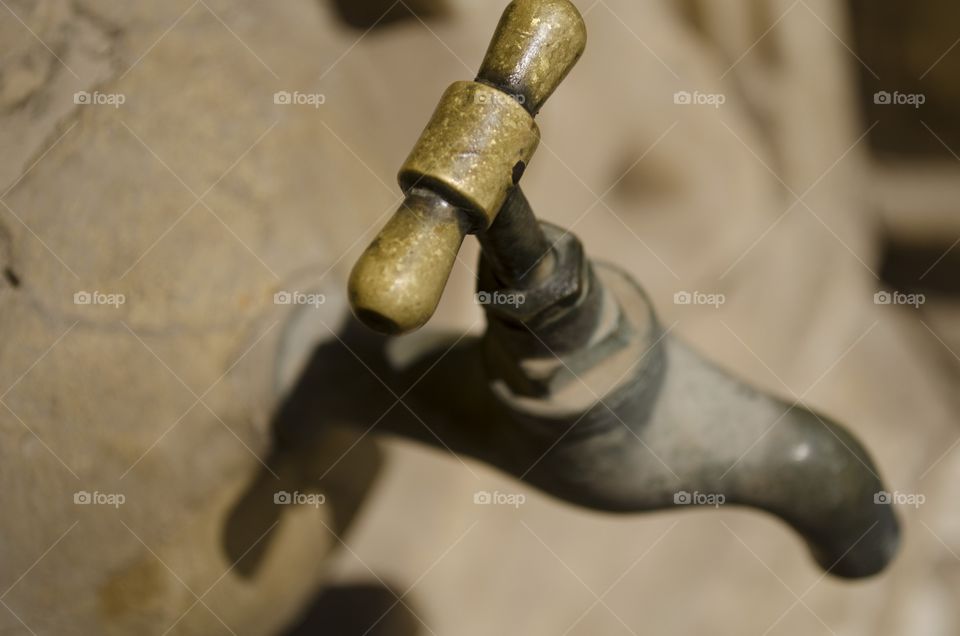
point(313, 457)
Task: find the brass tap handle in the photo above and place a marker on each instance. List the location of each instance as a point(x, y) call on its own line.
point(468, 158)
point(534, 47)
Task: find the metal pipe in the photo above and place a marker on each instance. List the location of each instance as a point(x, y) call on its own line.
point(515, 244)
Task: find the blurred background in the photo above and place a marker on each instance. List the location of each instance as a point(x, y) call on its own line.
point(169, 167)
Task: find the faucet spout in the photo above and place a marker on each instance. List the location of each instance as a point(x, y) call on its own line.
point(631, 421)
point(709, 440)
point(645, 423)
point(636, 421)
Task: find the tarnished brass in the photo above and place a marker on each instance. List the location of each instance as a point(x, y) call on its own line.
point(476, 142)
point(399, 278)
point(466, 163)
point(534, 47)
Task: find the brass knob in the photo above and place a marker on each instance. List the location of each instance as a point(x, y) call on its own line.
point(468, 158)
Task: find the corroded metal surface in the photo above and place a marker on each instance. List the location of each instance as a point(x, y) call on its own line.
point(515, 245)
point(535, 45)
point(471, 154)
point(400, 277)
point(475, 146)
point(639, 427)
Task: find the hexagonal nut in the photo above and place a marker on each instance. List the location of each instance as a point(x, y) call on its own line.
point(536, 306)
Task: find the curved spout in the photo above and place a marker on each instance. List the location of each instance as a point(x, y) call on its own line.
point(700, 435)
point(675, 432)
point(706, 439)
point(709, 439)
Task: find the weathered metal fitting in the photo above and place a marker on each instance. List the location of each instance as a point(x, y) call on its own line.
point(473, 150)
point(397, 282)
point(465, 165)
point(539, 305)
point(553, 29)
point(622, 367)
